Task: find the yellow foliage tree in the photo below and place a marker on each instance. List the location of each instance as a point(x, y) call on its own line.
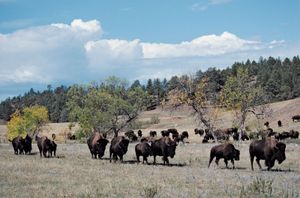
point(28, 121)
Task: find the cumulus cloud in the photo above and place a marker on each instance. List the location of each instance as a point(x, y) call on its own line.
point(47, 52)
point(78, 53)
point(201, 46)
point(113, 52)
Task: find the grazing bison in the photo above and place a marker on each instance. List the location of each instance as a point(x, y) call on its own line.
point(97, 144)
point(279, 123)
point(282, 136)
point(153, 133)
point(18, 145)
point(296, 118)
point(199, 131)
point(165, 147)
point(269, 150)
point(140, 133)
point(45, 146)
point(131, 136)
point(226, 151)
point(165, 133)
point(236, 136)
point(118, 147)
point(294, 134)
point(267, 124)
point(174, 133)
point(182, 136)
point(143, 149)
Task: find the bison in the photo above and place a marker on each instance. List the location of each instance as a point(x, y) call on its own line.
point(199, 131)
point(97, 144)
point(131, 136)
point(118, 147)
point(53, 148)
point(174, 133)
point(18, 145)
point(153, 133)
point(296, 118)
point(269, 150)
point(279, 123)
point(165, 147)
point(143, 149)
point(294, 134)
point(22, 145)
point(165, 133)
point(45, 146)
point(226, 151)
point(182, 136)
point(140, 133)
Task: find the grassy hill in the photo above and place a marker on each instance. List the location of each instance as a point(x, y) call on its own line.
point(182, 119)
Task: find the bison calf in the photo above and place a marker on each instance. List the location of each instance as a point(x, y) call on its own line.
point(143, 149)
point(226, 151)
point(269, 150)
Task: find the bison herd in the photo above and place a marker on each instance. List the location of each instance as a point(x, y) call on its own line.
point(267, 148)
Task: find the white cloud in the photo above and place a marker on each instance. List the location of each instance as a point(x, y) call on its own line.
point(201, 46)
point(114, 52)
point(204, 5)
point(77, 53)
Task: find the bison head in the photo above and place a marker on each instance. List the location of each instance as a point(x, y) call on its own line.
point(279, 152)
point(171, 148)
point(101, 145)
point(236, 154)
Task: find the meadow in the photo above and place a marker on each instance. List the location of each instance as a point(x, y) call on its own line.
point(73, 173)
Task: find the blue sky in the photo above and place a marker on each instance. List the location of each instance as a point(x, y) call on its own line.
point(64, 42)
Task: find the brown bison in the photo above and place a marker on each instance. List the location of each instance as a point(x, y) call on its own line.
point(279, 123)
point(165, 133)
point(282, 136)
point(131, 136)
point(118, 147)
point(97, 144)
point(182, 136)
point(269, 150)
point(294, 134)
point(153, 133)
point(199, 131)
point(53, 148)
point(45, 146)
point(18, 145)
point(174, 133)
point(140, 133)
point(22, 145)
point(296, 118)
point(226, 151)
point(143, 149)
point(165, 147)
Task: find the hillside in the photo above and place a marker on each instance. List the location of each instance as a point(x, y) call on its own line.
point(183, 120)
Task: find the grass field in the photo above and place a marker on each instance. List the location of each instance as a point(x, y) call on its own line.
point(75, 174)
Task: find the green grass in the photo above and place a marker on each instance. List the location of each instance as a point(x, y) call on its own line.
point(75, 174)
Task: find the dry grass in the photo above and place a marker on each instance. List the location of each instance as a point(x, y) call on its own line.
point(75, 174)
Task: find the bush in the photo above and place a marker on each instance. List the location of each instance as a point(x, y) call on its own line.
point(150, 191)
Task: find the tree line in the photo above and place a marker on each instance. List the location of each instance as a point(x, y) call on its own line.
point(277, 79)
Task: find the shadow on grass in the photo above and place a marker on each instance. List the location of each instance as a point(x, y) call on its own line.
point(231, 168)
point(280, 170)
point(149, 164)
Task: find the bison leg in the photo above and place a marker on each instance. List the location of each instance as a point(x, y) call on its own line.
point(154, 159)
point(217, 161)
point(257, 161)
point(121, 158)
point(226, 163)
point(232, 161)
point(110, 153)
point(165, 159)
point(251, 160)
point(211, 159)
point(138, 158)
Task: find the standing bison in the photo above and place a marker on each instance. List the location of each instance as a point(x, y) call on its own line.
point(45, 146)
point(118, 147)
point(269, 150)
point(226, 151)
point(22, 145)
point(143, 149)
point(165, 147)
point(296, 118)
point(18, 144)
point(97, 144)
